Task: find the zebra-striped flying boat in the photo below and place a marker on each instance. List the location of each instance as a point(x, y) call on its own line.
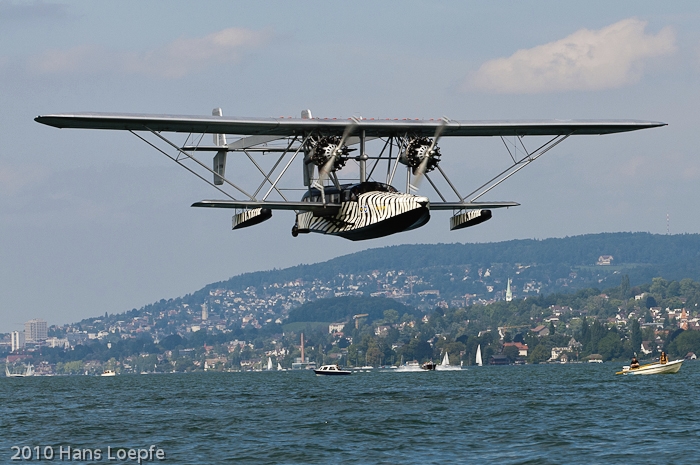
point(364, 208)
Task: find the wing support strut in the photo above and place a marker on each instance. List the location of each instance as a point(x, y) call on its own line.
point(193, 158)
point(517, 166)
point(179, 162)
point(274, 184)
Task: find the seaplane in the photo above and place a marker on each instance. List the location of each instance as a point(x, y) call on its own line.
point(367, 204)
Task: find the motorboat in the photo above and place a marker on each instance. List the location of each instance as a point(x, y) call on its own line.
point(652, 368)
point(410, 366)
point(108, 373)
point(331, 370)
point(430, 366)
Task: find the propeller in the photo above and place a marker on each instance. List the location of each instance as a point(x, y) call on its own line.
point(326, 169)
point(420, 170)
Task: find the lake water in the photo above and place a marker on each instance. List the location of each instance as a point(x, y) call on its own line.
point(533, 414)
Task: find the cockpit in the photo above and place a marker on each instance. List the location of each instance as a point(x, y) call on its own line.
point(347, 192)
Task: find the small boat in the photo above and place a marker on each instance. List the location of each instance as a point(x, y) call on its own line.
point(331, 370)
point(279, 367)
point(445, 365)
point(652, 368)
point(430, 366)
point(479, 362)
point(108, 373)
point(269, 364)
point(410, 366)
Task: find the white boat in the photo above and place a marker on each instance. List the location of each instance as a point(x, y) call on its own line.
point(652, 368)
point(108, 373)
point(479, 362)
point(28, 371)
point(410, 366)
point(269, 364)
point(331, 370)
point(279, 367)
point(445, 365)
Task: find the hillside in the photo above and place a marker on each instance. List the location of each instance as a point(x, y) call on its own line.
point(419, 276)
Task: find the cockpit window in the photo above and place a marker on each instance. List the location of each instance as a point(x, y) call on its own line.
point(346, 192)
point(372, 187)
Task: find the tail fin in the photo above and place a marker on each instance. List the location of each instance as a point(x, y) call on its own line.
point(220, 157)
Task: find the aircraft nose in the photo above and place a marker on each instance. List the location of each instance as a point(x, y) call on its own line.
point(423, 201)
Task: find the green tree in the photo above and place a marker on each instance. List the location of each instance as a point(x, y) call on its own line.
point(687, 341)
point(610, 346)
point(539, 354)
point(391, 316)
point(511, 352)
point(635, 335)
point(625, 287)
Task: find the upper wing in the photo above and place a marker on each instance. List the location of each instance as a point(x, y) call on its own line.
point(371, 127)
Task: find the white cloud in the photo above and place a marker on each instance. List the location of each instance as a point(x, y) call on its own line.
point(174, 60)
point(586, 60)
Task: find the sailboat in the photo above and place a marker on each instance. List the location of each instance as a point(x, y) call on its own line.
point(269, 364)
point(28, 371)
point(279, 367)
point(445, 365)
point(478, 356)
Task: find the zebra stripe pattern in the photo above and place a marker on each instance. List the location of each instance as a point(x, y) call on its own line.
point(369, 209)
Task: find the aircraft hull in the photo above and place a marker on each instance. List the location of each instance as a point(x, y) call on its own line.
point(399, 223)
point(369, 216)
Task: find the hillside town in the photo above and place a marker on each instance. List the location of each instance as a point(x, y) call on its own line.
point(225, 328)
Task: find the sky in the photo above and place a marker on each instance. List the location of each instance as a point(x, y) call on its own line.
point(96, 221)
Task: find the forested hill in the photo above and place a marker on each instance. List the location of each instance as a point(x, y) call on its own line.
point(642, 256)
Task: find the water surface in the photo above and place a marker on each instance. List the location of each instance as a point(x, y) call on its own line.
point(534, 414)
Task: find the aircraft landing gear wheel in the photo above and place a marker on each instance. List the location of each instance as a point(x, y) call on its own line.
point(295, 231)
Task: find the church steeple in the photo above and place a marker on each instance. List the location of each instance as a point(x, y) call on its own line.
point(509, 293)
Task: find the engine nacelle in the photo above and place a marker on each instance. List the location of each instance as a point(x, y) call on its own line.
point(321, 150)
point(469, 218)
point(251, 217)
point(417, 150)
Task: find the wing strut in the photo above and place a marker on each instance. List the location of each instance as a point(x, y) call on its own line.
point(196, 160)
point(274, 184)
point(517, 166)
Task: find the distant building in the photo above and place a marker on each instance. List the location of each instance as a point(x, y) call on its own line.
point(336, 328)
point(17, 340)
point(205, 312)
point(35, 330)
point(499, 360)
point(541, 330)
point(604, 260)
point(382, 331)
point(57, 342)
point(522, 348)
point(558, 353)
point(509, 293)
